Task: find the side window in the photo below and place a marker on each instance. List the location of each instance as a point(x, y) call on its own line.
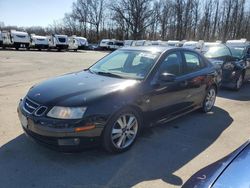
point(172, 64)
point(193, 62)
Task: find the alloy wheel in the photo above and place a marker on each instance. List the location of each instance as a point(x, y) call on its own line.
point(210, 99)
point(124, 131)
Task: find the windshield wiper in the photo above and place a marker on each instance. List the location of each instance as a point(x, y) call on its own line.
point(108, 74)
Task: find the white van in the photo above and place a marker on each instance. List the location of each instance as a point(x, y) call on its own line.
point(16, 39)
point(78, 43)
point(39, 42)
point(104, 44)
point(58, 42)
point(116, 44)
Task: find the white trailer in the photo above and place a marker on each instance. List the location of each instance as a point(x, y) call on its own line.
point(78, 43)
point(1, 39)
point(39, 42)
point(58, 42)
point(16, 39)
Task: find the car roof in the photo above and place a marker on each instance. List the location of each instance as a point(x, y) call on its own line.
point(160, 49)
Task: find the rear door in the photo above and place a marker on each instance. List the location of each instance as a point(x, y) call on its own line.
point(196, 73)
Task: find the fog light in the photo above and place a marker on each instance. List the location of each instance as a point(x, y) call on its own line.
point(68, 142)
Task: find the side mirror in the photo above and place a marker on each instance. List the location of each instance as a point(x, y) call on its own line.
point(167, 77)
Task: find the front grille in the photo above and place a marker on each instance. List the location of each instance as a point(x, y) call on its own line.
point(30, 106)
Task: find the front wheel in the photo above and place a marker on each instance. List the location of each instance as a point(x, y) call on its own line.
point(209, 100)
point(121, 131)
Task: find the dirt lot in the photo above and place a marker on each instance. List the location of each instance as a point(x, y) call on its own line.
point(164, 156)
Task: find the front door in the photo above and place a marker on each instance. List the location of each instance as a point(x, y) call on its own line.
point(168, 98)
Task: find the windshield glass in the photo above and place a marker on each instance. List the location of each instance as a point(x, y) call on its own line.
point(214, 52)
point(237, 51)
point(126, 64)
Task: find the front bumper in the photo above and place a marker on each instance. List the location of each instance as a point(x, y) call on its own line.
point(60, 138)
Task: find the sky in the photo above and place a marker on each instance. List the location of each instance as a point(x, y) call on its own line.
point(33, 12)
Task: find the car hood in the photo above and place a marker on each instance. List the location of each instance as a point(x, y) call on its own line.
point(77, 89)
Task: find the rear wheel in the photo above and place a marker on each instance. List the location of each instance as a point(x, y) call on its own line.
point(209, 100)
point(121, 131)
point(239, 83)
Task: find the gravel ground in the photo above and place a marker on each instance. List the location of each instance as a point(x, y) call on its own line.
point(164, 156)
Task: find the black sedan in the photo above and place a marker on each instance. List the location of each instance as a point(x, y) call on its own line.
point(231, 171)
point(234, 67)
point(112, 101)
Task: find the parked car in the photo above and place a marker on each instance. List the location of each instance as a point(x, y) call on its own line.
point(38, 42)
point(234, 69)
point(231, 171)
point(59, 42)
point(110, 102)
point(77, 43)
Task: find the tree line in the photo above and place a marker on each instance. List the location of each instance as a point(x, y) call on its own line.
point(207, 20)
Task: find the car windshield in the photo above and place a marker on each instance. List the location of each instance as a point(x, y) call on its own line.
point(126, 64)
point(217, 51)
point(237, 51)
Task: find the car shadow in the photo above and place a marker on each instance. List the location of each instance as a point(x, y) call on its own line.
point(242, 95)
point(157, 154)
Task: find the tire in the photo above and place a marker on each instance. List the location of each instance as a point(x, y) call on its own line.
point(75, 50)
point(117, 139)
point(209, 100)
point(239, 83)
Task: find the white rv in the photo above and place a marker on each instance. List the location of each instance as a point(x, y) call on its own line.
point(58, 42)
point(173, 42)
point(237, 42)
point(208, 45)
point(78, 43)
point(195, 45)
point(16, 39)
point(128, 43)
point(39, 42)
point(1, 39)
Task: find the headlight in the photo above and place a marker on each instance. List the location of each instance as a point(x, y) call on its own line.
point(67, 112)
point(228, 66)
